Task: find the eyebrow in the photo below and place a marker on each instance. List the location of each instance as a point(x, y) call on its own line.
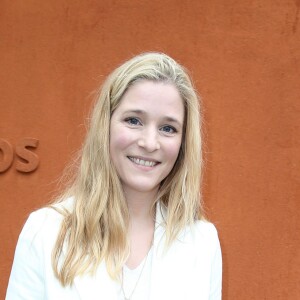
point(136, 111)
point(142, 112)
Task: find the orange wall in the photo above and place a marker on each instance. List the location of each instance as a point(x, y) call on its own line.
point(244, 57)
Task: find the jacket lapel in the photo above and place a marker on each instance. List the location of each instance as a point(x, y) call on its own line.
point(167, 270)
point(157, 281)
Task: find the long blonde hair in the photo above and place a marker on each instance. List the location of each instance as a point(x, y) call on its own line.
point(95, 229)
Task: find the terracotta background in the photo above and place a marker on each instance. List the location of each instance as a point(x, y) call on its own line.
point(244, 57)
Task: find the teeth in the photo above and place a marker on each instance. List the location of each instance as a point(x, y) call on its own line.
point(142, 162)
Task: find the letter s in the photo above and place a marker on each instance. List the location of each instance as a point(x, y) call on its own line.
point(8, 155)
point(32, 160)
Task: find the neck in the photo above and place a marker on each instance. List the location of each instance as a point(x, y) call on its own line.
point(140, 204)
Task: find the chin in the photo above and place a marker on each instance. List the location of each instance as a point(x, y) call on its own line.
point(145, 189)
point(142, 188)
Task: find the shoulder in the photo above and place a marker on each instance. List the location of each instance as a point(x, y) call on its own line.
point(201, 229)
point(46, 220)
point(54, 212)
point(202, 241)
point(207, 232)
point(205, 229)
point(32, 260)
point(202, 234)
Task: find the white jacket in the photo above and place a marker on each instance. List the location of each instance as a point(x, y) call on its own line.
point(190, 269)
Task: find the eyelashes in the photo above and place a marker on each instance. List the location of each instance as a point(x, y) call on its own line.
point(168, 129)
point(133, 121)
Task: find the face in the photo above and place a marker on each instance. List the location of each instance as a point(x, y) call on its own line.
point(145, 135)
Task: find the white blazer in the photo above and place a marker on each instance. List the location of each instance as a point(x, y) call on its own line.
point(190, 269)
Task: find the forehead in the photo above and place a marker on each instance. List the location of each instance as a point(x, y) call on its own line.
point(155, 98)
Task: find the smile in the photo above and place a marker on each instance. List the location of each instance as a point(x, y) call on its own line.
point(143, 162)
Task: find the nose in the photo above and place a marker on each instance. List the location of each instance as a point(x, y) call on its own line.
point(149, 140)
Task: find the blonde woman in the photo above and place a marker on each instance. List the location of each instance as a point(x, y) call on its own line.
point(130, 226)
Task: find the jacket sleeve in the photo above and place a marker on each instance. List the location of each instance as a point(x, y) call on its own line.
point(216, 272)
point(26, 279)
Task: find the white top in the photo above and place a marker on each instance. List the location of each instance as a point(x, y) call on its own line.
point(190, 269)
point(136, 282)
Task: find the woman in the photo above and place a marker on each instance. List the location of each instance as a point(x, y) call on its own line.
point(131, 225)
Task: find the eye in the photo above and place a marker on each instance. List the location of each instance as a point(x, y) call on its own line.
point(133, 121)
point(168, 129)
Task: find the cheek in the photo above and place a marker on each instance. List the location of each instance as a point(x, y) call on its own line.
point(119, 139)
point(172, 149)
point(119, 142)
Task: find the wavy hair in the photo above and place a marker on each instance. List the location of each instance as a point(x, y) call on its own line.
point(95, 229)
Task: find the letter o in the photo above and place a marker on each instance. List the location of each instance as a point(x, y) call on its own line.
point(8, 155)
